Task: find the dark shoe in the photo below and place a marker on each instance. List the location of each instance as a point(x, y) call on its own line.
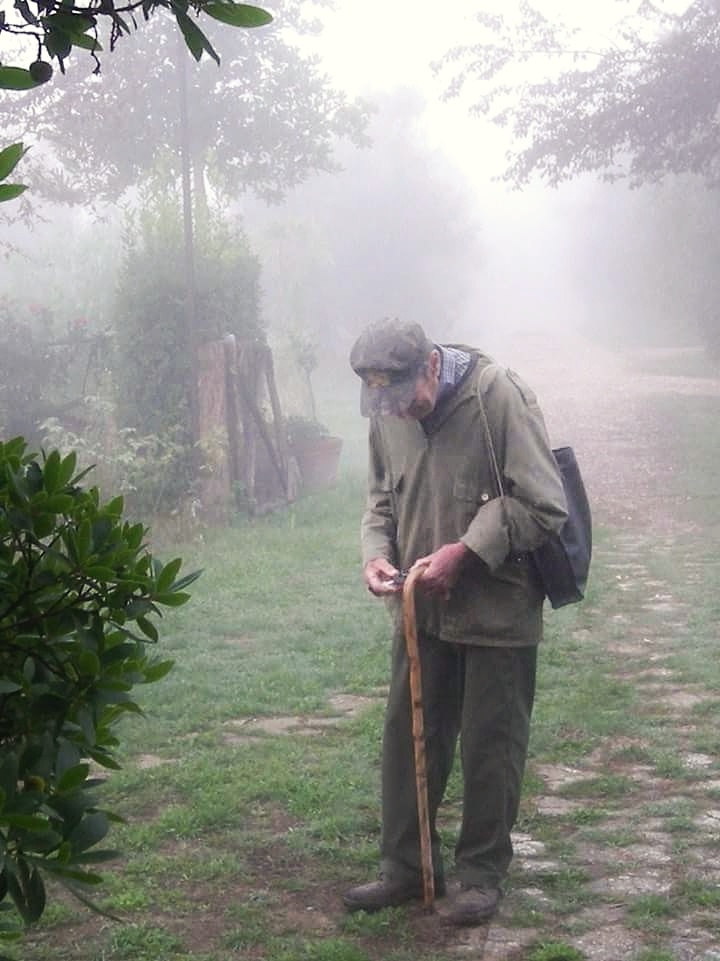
point(473, 906)
point(387, 894)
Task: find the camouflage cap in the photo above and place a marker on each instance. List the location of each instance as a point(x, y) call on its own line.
point(388, 356)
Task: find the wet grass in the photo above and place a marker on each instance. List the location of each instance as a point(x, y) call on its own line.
point(252, 839)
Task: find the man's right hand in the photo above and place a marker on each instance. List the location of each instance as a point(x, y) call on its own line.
point(380, 577)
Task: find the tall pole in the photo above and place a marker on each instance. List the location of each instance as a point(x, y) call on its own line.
point(190, 319)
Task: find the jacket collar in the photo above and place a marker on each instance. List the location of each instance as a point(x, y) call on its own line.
point(464, 389)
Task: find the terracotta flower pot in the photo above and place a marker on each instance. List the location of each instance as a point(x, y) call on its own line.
point(318, 459)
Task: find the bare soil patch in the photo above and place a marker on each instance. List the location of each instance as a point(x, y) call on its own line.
point(244, 730)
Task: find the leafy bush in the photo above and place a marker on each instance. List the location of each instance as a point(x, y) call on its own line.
point(140, 466)
point(78, 590)
point(33, 374)
point(156, 361)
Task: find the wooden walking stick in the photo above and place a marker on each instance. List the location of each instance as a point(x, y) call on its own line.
point(418, 731)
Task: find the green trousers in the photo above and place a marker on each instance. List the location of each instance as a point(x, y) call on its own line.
point(485, 696)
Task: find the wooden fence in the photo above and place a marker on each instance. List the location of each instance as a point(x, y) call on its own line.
point(246, 460)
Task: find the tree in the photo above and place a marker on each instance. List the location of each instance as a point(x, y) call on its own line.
point(396, 232)
point(634, 101)
point(638, 104)
point(262, 122)
point(155, 353)
point(54, 27)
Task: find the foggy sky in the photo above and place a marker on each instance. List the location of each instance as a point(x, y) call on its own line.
point(541, 257)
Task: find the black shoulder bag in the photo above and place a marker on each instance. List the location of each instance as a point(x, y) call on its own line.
point(563, 560)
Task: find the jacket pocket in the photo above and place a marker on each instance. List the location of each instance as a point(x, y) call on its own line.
point(469, 489)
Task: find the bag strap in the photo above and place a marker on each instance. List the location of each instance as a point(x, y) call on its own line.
point(488, 435)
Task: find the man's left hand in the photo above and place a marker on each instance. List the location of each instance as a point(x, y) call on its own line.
point(442, 568)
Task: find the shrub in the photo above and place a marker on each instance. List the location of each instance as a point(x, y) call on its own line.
point(156, 371)
point(33, 373)
point(141, 467)
point(78, 590)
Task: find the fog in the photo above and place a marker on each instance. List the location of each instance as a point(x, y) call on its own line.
point(415, 223)
point(197, 250)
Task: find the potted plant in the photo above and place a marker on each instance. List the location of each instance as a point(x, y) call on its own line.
point(316, 451)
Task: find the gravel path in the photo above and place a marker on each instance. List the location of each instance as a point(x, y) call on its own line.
point(606, 408)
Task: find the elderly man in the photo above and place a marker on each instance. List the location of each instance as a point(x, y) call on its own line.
point(433, 500)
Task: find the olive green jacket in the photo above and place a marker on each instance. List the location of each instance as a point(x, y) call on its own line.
point(432, 483)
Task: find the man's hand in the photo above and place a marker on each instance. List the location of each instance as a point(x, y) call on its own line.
point(380, 577)
point(442, 568)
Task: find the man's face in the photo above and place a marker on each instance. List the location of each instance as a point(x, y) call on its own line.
point(426, 390)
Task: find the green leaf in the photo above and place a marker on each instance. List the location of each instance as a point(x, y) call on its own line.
point(78, 477)
point(119, 706)
point(167, 575)
point(155, 672)
point(14, 448)
point(148, 628)
point(134, 534)
point(116, 818)
point(51, 471)
point(10, 156)
point(26, 822)
point(69, 22)
point(115, 506)
point(86, 722)
point(16, 892)
point(97, 857)
point(98, 571)
point(59, 503)
point(34, 478)
point(89, 831)
point(35, 894)
point(67, 468)
point(105, 760)
point(68, 757)
point(11, 191)
point(173, 600)
point(138, 606)
point(9, 773)
point(58, 43)
point(88, 664)
point(186, 580)
point(87, 43)
point(101, 529)
point(44, 526)
point(195, 39)
point(9, 932)
point(89, 903)
point(238, 14)
point(16, 78)
point(84, 539)
point(73, 778)
point(42, 842)
point(9, 687)
point(17, 488)
point(71, 874)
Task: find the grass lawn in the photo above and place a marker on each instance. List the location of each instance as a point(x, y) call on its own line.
point(251, 787)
